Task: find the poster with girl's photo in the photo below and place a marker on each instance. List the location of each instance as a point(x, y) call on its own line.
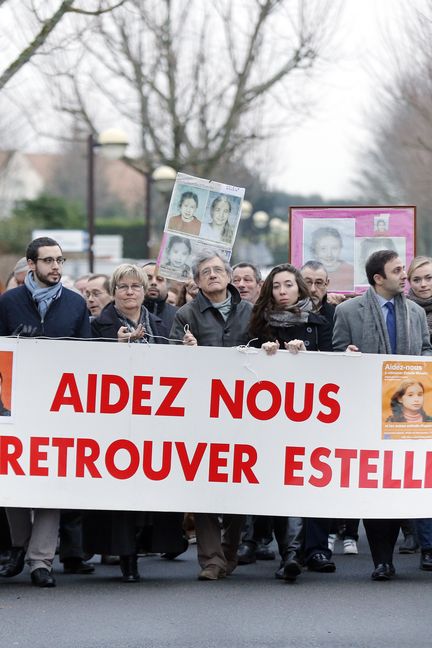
point(201, 213)
point(342, 238)
point(407, 400)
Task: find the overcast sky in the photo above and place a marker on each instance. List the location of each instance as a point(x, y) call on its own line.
point(322, 155)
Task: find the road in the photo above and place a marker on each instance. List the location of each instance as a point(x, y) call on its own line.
point(170, 608)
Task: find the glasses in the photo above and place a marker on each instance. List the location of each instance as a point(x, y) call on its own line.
point(51, 260)
point(126, 287)
point(207, 272)
point(319, 283)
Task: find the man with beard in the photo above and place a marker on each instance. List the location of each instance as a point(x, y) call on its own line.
point(156, 296)
point(41, 307)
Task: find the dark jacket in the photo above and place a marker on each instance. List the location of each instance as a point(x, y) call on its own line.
point(108, 323)
point(3, 410)
point(207, 324)
point(327, 311)
point(315, 333)
point(161, 308)
point(67, 315)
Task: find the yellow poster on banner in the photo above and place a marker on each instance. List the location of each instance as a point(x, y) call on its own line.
point(406, 400)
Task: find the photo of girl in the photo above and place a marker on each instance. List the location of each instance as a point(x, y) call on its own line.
point(176, 259)
point(186, 221)
point(326, 246)
point(407, 403)
point(218, 227)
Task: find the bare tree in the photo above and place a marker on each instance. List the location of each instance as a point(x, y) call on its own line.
point(195, 82)
point(396, 168)
point(46, 25)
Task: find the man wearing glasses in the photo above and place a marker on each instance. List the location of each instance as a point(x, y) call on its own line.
point(41, 307)
point(216, 317)
point(97, 294)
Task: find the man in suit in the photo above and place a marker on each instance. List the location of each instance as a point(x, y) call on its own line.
point(382, 321)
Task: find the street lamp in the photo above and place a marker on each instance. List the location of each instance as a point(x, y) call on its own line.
point(113, 143)
point(163, 177)
point(260, 219)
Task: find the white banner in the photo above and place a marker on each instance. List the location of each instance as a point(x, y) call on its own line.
point(99, 425)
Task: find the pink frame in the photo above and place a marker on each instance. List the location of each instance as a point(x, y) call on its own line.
point(400, 223)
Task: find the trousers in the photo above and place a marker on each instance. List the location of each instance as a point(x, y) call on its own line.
point(36, 530)
point(217, 543)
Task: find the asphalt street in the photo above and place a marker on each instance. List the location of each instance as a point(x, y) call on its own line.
point(171, 608)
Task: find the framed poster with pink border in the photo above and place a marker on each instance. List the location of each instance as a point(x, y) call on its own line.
point(342, 238)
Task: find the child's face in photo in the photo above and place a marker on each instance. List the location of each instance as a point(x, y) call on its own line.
point(178, 254)
point(412, 400)
point(187, 209)
point(328, 251)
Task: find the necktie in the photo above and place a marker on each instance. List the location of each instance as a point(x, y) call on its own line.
point(391, 325)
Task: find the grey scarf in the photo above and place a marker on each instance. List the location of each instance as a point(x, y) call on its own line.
point(375, 335)
point(43, 297)
point(144, 320)
point(290, 316)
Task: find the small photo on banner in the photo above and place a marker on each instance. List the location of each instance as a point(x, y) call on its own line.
point(202, 214)
point(406, 400)
point(6, 368)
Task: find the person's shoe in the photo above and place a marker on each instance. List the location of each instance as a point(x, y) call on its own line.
point(320, 563)
point(129, 569)
point(41, 577)
point(383, 572)
point(15, 564)
point(77, 566)
point(264, 552)
point(350, 547)
point(245, 554)
point(291, 569)
point(426, 560)
point(409, 544)
point(211, 572)
point(107, 559)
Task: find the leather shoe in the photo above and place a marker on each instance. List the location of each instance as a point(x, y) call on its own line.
point(320, 563)
point(41, 577)
point(212, 572)
point(426, 560)
point(129, 569)
point(15, 564)
point(383, 572)
point(264, 552)
point(77, 566)
point(245, 554)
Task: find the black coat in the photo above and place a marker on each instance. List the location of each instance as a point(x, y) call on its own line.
point(108, 323)
point(315, 333)
point(161, 308)
point(123, 533)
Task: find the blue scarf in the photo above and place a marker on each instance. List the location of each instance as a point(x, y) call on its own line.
point(42, 296)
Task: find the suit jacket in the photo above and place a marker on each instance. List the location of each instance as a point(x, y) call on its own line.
point(349, 329)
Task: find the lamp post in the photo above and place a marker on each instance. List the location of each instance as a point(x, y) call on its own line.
point(163, 177)
point(113, 143)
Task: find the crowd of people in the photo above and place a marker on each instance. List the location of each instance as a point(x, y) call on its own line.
point(291, 309)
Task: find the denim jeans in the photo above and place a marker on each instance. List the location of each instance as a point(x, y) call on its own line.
point(424, 533)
